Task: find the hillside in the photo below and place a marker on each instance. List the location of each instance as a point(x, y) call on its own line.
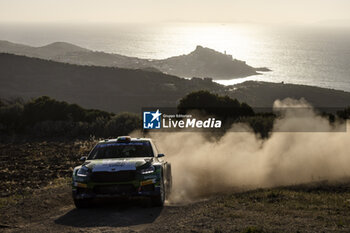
point(105, 88)
point(49, 51)
point(202, 62)
point(116, 90)
point(263, 94)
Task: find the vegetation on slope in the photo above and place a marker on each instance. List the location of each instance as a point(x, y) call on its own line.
point(49, 118)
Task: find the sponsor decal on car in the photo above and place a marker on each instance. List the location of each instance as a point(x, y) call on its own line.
point(146, 182)
point(112, 165)
point(80, 185)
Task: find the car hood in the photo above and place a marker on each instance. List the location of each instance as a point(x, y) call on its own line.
point(114, 165)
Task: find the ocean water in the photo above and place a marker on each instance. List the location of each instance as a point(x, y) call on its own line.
point(301, 55)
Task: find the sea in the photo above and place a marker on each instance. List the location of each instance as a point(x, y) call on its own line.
point(310, 55)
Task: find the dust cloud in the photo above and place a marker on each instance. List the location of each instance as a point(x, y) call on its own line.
point(201, 167)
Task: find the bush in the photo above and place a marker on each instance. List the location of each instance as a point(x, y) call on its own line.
point(122, 124)
point(228, 110)
point(222, 106)
point(261, 123)
point(11, 117)
point(49, 118)
point(47, 109)
point(344, 114)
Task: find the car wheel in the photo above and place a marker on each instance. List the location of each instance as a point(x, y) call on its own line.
point(168, 182)
point(159, 199)
point(81, 203)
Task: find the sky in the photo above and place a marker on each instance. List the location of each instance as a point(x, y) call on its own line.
point(139, 11)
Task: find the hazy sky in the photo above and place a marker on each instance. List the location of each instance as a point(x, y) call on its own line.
point(270, 11)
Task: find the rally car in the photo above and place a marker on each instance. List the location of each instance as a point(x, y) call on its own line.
point(122, 167)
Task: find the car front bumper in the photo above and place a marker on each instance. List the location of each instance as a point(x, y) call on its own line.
point(145, 188)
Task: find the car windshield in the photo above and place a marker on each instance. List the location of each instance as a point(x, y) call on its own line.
point(121, 150)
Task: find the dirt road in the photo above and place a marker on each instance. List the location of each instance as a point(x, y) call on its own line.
point(288, 209)
point(36, 197)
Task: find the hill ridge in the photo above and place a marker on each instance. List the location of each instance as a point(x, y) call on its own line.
point(202, 62)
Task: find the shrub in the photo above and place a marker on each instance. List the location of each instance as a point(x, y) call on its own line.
point(11, 117)
point(213, 104)
point(261, 123)
point(46, 117)
point(344, 114)
point(122, 124)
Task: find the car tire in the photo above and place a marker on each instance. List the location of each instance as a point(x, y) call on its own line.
point(81, 203)
point(168, 182)
point(159, 199)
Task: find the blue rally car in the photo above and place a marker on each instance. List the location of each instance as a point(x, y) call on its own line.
point(122, 167)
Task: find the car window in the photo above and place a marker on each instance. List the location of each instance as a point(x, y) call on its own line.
point(121, 150)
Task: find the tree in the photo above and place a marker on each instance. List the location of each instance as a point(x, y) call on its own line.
point(122, 124)
point(344, 114)
point(213, 104)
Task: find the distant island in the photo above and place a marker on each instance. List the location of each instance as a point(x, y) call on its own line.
point(119, 90)
point(202, 62)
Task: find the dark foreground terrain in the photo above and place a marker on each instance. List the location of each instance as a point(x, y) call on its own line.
point(35, 197)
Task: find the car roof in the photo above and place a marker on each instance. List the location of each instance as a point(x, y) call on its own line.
point(132, 139)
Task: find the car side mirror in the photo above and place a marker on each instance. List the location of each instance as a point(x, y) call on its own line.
point(82, 159)
point(161, 155)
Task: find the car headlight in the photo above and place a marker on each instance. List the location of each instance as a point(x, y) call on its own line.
point(148, 170)
point(83, 171)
